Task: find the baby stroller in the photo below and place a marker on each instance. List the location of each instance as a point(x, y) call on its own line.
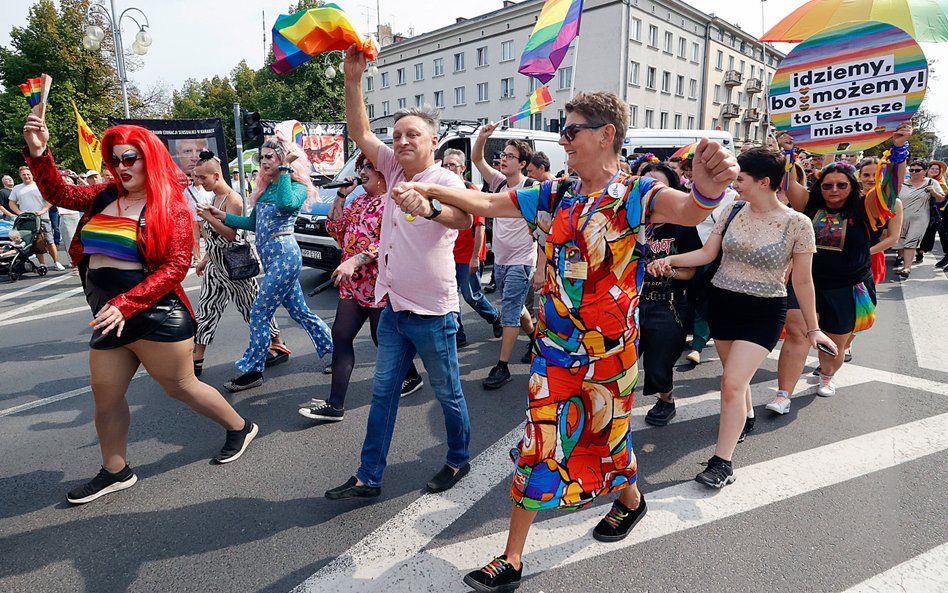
point(17, 262)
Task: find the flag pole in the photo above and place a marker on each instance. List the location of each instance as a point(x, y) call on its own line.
point(572, 80)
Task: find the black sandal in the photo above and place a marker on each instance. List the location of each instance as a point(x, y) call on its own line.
point(198, 367)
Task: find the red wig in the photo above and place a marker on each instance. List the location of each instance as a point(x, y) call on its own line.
point(164, 184)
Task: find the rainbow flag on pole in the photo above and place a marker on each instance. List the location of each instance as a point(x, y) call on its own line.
point(557, 26)
point(300, 36)
point(538, 100)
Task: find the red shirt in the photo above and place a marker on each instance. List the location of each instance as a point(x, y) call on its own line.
point(464, 244)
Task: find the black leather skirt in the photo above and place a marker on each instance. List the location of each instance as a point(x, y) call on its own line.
point(168, 320)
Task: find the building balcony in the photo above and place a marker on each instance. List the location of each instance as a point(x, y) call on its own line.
point(732, 78)
point(753, 85)
point(751, 114)
point(730, 110)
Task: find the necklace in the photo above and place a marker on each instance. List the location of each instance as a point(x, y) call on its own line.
point(134, 202)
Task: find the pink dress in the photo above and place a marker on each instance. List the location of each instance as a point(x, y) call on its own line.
point(358, 231)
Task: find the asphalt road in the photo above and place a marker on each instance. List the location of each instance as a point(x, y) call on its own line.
point(842, 493)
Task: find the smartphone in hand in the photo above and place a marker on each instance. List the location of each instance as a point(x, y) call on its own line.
point(826, 350)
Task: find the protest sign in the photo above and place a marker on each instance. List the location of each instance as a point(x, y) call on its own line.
point(848, 88)
point(323, 142)
point(185, 138)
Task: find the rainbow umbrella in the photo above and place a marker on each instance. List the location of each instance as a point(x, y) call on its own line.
point(924, 20)
point(300, 36)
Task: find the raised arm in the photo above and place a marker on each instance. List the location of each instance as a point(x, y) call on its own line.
point(477, 153)
point(356, 118)
point(50, 182)
point(794, 179)
point(714, 169)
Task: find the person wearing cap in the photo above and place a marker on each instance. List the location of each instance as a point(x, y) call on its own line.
point(92, 177)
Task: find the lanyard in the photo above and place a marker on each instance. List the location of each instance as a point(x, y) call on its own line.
point(595, 207)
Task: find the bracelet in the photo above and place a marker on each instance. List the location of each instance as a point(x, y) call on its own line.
point(810, 331)
point(339, 194)
point(703, 202)
point(285, 168)
point(899, 154)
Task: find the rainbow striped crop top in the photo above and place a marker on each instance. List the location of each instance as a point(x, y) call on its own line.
point(113, 236)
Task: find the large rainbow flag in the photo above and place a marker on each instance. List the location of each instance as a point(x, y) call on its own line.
point(557, 26)
point(538, 100)
point(300, 36)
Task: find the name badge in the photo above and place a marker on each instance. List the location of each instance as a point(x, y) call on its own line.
point(576, 270)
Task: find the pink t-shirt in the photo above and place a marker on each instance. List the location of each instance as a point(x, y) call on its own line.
point(416, 258)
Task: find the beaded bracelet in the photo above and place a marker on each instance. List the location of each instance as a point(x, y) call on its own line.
point(899, 154)
point(285, 168)
point(703, 202)
point(810, 331)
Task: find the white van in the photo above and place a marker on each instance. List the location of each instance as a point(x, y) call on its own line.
point(320, 250)
point(664, 143)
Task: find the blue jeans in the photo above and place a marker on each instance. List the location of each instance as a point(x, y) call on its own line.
point(402, 334)
point(470, 286)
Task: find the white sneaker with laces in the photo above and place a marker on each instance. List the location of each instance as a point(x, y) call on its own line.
point(780, 405)
point(827, 388)
point(60, 267)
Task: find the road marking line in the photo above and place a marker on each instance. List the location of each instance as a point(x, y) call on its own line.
point(55, 398)
point(40, 303)
point(34, 287)
point(926, 573)
point(924, 302)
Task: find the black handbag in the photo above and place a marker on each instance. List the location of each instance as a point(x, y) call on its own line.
point(240, 262)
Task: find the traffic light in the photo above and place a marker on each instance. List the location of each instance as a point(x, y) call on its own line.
point(253, 130)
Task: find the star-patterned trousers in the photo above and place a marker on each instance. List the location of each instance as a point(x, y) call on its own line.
point(282, 262)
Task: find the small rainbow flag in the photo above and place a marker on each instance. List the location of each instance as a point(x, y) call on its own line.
point(300, 36)
point(298, 131)
point(33, 91)
point(557, 26)
point(538, 100)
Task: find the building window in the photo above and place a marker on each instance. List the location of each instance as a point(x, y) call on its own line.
point(742, 67)
point(682, 48)
point(737, 129)
point(663, 120)
point(753, 71)
point(649, 118)
point(419, 100)
point(691, 122)
point(481, 56)
point(369, 83)
point(402, 103)
point(714, 123)
point(439, 98)
point(717, 93)
point(371, 111)
point(730, 62)
point(650, 78)
point(506, 88)
point(459, 62)
point(506, 51)
point(695, 53)
point(534, 84)
point(386, 108)
point(635, 29)
point(482, 95)
point(438, 67)
point(459, 95)
point(666, 81)
point(566, 78)
point(385, 80)
point(720, 63)
point(692, 89)
point(419, 71)
point(680, 86)
point(652, 36)
point(400, 77)
point(634, 73)
point(634, 115)
point(669, 41)
point(677, 121)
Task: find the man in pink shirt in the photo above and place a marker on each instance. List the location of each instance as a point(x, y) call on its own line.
point(417, 275)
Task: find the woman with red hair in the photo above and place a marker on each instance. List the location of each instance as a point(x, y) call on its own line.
point(282, 186)
point(133, 249)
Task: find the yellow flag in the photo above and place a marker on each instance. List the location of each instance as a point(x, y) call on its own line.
point(88, 143)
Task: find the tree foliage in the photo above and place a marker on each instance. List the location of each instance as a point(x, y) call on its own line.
point(924, 139)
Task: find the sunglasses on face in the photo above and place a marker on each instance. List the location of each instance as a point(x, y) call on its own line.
point(830, 186)
point(127, 158)
point(569, 132)
point(916, 170)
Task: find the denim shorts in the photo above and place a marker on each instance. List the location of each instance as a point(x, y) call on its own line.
point(513, 283)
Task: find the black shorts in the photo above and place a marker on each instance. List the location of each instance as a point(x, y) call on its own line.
point(168, 320)
point(836, 307)
point(739, 316)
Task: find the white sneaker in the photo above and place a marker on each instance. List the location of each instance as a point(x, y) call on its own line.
point(60, 267)
point(780, 405)
point(827, 388)
point(694, 356)
point(313, 403)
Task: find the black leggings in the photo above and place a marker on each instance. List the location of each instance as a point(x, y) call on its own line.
point(350, 317)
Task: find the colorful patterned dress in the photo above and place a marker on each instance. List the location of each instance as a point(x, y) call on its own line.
point(358, 231)
point(577, 443)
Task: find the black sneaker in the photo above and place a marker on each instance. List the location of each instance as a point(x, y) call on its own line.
point(461, 341)
point(848, 356)
point(245, 381)
point(237, 442)
point(498, 328)
point(411, 385)
point(351, 489)
point(942, 262)
point(816, 372)
point(104, 483)
point(323, 412)
point(661, 413)
point(527, 357)
point(899, 262)
point(497, 575)
point(489, 288)
point(497, 378)
point(447, 477)
point(619, 521)
point(903, 273)
point(748, 428)
point(718, 474)
point(919, 256)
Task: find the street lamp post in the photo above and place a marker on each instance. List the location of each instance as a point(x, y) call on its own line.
point(763, 59)
point(94, 34)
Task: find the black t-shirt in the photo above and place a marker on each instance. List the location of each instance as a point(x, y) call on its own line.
point(665, 240)
point(5, 197)
point(842, 247)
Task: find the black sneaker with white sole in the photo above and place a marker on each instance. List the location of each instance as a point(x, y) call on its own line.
point(661, 413)
point(237, 442)
point(323, 412)
point(718, 474)
point(748, 428)
point(104, 483)
point(411, 385)
point(245, 381)
point(497, 575)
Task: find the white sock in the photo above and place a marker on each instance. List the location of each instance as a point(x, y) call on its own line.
point(750, 413)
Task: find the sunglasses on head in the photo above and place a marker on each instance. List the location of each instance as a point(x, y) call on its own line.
point(127, 158)
point(829, 186)
point(569, 132)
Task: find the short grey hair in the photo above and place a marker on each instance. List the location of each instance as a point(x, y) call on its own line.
point(454, 152)
point(428, 114)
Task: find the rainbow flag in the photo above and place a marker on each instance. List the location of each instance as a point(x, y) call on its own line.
point(556, 27)
point(298, 37)
point(538, 100)
point(33, 91)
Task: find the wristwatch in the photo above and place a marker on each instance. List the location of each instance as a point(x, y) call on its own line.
point(435, 209)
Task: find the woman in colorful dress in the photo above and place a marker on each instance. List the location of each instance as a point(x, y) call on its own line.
point(584, 369)
point(283, 185)
point(133, 249)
